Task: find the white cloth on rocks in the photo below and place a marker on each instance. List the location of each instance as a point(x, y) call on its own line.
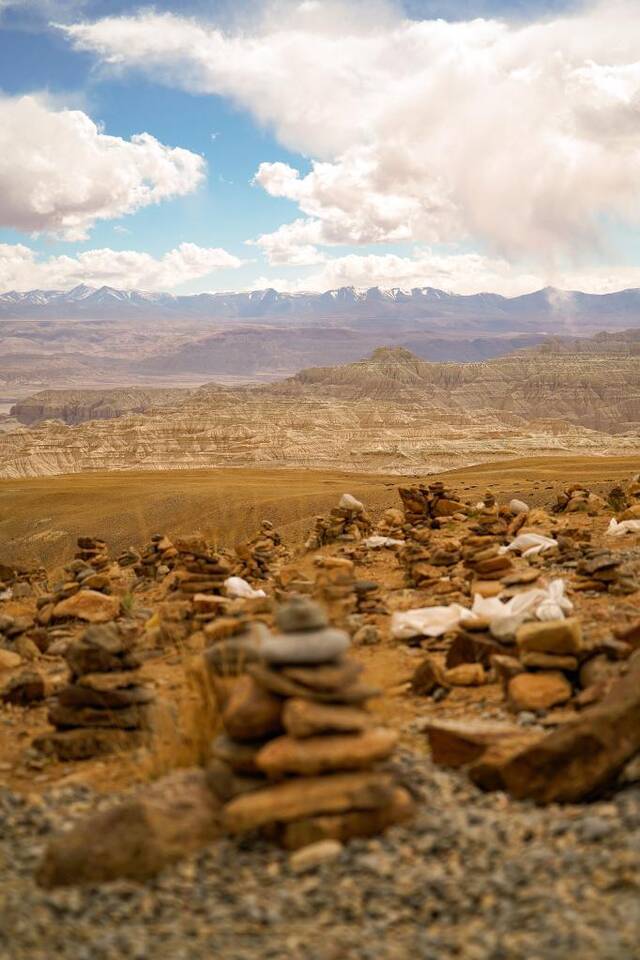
point(619, 528)
point(237, 587)
point(378, 541)
point(426, 621)
point(542, 603)
point(530, 544)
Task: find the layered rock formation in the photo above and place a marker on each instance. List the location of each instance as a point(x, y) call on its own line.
point(390, 413)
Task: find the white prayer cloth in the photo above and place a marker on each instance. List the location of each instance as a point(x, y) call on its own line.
point(237, 587)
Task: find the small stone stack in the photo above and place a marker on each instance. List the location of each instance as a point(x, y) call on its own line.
point(300, 756)
point(258, 557)
point(489, 520)
point(578, 499)
point(157, 560)
point(347, 522)
point(93, 552)
point(392, 524)
point(105, 705)
point(427, 562)
point(336, 587)
point(17, 582)
point(198, 569)
point(604, 571)
point(426, 506)
point(88, 569)
point(483, 560)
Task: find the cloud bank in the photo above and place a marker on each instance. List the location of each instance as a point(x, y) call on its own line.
point(22, 269)
point(521, 137)
point(59, 173)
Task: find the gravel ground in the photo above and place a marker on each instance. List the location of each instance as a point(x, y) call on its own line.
point(474, 876)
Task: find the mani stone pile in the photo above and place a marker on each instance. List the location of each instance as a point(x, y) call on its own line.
point(105, 705)
point(198, 570)
point(156, 560)
point(301, 758)
point(258, 557)
point(347, 522)
point(426, 506)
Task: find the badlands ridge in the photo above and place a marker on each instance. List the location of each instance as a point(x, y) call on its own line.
point(391, 412)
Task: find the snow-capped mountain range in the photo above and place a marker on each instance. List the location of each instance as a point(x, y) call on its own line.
point(549, 308)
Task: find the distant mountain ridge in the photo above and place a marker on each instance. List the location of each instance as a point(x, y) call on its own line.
point(548, 309)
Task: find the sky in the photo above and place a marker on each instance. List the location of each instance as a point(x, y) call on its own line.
point(202, 145)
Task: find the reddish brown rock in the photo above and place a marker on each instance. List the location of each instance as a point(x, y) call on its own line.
point(305, 718)
point(308, 797)
point(176, 816)
point(88, 605)
point(466, 675)
point(550, 636)
point(427, 677)
point(346, 826)
point(538, 691)
point(580, 758)
point(252, 712)
point(459, 743)
point(316, 755)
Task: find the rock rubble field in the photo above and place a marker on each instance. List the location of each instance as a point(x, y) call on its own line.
point(413, 731)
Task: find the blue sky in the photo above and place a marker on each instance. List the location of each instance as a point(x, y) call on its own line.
point(424, 227)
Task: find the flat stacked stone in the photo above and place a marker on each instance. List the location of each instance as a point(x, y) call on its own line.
point(336, 587)
point(198, 570)
point(157, 558)
point(300, 755)
point(105, 705)
point(94, 552)
point(258, 557)
point(347, 522)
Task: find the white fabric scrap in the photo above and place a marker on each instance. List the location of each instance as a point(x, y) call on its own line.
point(519, 506)
point(530, 544)
point(618, 529)
point(543, 603)
point(426, 621)
point(6, 594)
point(378, 541)
point(237, 587)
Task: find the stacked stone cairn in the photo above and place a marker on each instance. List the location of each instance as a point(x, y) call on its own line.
point(427, 506)
point(87, 569)
point(21, 581)
point(198, 570)
point(350, 602)
point(426, 562)
point(157, 560)
point(258, 558)
point(554, 663)
point(301, 759)
point(602, 570)
point(483, 559)
point(105, 705)
point(578, 499)
point(347, 522)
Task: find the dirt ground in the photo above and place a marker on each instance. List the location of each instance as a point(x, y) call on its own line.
point(127, 508)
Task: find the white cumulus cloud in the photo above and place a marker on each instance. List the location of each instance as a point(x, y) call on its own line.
point(523, 137)
point(463, 273)
point(59, 172)
point(22, 269)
